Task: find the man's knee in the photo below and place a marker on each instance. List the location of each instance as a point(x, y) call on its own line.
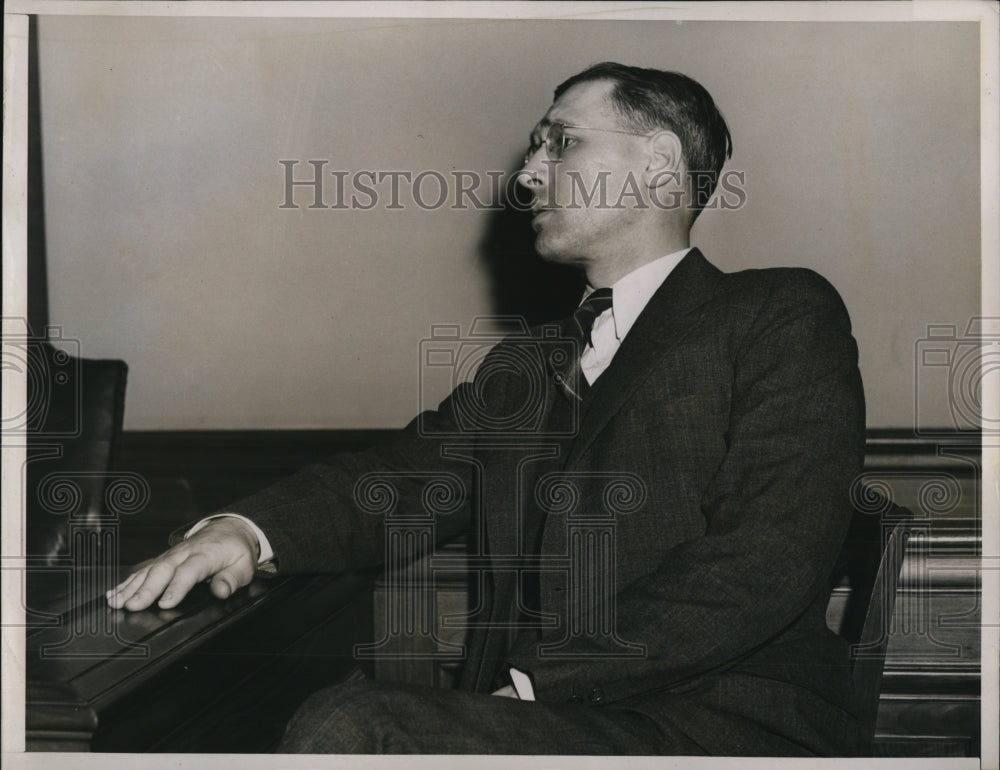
point(349, 718)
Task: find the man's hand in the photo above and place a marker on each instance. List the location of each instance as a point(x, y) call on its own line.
point(225, 550)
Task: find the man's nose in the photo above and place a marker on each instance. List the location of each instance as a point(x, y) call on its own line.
point(530, 180)
point(531, 175)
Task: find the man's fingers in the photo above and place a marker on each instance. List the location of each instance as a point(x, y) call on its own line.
point(191, 571)
point(232, 578)
point(161, 574)
point(157, 577)
point(118, 595)
point(126, 589)
point(127, 582)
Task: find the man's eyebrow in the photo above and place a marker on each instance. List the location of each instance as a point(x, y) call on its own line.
point(543, 123)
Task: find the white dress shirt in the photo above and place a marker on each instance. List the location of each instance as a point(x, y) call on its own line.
point(630, 295)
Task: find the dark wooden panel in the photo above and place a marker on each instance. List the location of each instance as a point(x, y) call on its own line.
point(221, 466)
point(161, 679)
point(934, 476)
point(405, 654)
point(56, 718)
point(931, 683)
point(235, 694)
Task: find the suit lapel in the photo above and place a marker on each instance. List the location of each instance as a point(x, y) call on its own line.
point(663, 323)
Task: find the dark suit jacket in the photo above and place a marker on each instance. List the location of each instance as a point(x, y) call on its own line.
point(735, 411)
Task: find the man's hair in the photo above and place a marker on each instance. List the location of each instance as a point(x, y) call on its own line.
point(648, 99)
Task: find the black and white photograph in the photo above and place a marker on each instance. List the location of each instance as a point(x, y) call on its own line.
point(500, 384)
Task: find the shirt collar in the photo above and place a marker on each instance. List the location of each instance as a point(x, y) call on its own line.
point(632, 292)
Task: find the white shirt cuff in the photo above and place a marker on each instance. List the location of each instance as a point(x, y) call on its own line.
point(266, 552)
point(522, 684)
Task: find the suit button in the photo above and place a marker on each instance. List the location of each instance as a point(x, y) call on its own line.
point(575, 699)
point(596, 695)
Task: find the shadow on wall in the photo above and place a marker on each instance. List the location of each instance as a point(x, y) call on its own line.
point(522, 282)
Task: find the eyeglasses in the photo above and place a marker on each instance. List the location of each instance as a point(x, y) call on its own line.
point(555, 139)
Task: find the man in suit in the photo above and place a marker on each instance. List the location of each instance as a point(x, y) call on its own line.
point(659, 510)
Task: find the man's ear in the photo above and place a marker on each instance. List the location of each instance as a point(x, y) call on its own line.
point(666, 160)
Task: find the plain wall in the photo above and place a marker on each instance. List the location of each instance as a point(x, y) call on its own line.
point(167, 247)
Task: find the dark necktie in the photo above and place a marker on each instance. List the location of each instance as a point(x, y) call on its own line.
point(573, 383)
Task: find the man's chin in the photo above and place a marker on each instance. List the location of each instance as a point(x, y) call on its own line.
point(549, 249)
point(559, 257)
point(553, 255)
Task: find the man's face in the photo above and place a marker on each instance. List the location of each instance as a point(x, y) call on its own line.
point(586, 202)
